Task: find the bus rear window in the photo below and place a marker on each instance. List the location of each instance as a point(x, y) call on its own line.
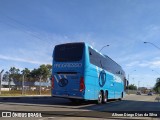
point(68, 52)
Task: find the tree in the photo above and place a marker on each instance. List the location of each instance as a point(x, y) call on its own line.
point(33, 76)
point(27, 74)
point(14, 75)
point(157, 86)
point(49, 67)
point(132, 87)
point(44, 71)
point(40, 74)
point(6, 76)
point(14, 70)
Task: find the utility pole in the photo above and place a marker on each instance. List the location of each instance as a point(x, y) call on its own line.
point(23, 84)
point(138, 84)
point(40, 80)
point(128, 80)
point(128, 84)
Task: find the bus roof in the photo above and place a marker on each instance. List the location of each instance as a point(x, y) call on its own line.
point(105, 56)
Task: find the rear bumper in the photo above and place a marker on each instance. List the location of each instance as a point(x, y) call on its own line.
point(66, 96)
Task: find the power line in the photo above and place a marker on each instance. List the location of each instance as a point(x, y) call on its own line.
point(26, 28)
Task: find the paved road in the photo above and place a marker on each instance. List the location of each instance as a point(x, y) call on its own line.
point(87, 110)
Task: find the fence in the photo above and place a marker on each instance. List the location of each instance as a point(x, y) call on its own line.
point(27, 88)
point(131, 91)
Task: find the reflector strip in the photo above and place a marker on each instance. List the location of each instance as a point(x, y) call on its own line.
point(60, 77)
point(65, 76)
point(56, 78)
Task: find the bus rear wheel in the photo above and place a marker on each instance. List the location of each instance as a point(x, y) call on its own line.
point(100, 98)
point(121, 96)
point(105, 97)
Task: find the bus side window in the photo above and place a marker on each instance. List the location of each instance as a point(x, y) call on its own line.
point(101, 64)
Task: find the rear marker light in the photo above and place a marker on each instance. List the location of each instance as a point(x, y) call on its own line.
point(82, 85)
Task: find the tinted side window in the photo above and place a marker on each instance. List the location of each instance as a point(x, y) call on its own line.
point(95, 58)
point(104, 62)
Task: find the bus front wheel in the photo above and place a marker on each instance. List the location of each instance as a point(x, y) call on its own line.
point(100, 98)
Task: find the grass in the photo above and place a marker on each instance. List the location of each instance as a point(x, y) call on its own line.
point(27, 92)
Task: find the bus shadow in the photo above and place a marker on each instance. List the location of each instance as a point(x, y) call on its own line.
point(49, 102)
point(82, 104)
point(43, 101)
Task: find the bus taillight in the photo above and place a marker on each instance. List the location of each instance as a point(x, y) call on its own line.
point(82, 85)
point(52, 82)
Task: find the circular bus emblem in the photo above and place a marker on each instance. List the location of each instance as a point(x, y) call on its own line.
point(102, 78)
point(63, 82)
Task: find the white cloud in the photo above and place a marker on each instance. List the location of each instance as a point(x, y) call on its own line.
point(134, 63)
point(155, 64)
point(149, 64)
point(145, 64)
point(21, 60)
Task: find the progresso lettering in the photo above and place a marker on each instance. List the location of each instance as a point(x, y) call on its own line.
point(68, 65)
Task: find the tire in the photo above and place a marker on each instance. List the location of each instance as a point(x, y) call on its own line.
point(100, 98)
point(105, 97)
point(120, 99)
point(121, 96)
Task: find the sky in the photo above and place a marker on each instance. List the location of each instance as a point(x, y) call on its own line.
point(29, 30)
